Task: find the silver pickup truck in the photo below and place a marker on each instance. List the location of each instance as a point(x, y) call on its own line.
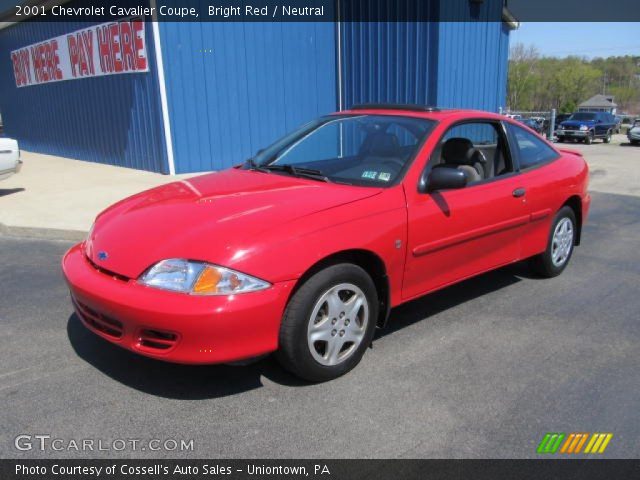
point(10, 162)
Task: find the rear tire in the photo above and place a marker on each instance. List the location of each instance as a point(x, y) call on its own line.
point(562, 239)
point(324, 332)
point(607, 139)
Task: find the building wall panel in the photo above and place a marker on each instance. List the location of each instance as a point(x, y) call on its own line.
point(112, 119)
point(234, 88)
point(460, 64)
point(472, 67)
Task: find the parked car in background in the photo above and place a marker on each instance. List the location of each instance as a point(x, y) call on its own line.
point(618, 126)
point(10, 161)
point(533, 124)
point(561, 117)
point(586, 127)
point(634, 132)
point(540, 120)
point(306, 247)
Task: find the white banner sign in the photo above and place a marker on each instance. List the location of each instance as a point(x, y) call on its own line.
point(106, 49)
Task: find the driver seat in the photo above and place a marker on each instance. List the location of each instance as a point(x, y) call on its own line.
point(459, 153)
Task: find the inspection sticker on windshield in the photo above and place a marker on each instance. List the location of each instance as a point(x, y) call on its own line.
point(369, 174)
point(384, 176)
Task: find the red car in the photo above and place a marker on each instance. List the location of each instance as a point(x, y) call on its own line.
point(306, 247)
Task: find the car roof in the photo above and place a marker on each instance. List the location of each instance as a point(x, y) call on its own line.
point(418, 111)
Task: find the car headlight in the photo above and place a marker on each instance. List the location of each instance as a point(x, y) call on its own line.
point(199, 278)
point(584, 127)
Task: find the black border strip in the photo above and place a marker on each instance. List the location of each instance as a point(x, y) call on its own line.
point(583, 469)
point(509, 11)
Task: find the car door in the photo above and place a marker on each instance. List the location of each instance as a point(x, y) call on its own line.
point(454, 234)
point(603, 124)
point(534, 158)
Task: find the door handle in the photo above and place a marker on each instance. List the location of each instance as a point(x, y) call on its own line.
point(519, 192)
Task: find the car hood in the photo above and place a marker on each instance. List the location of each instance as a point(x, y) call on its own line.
point(8, 144)
point(210, 218)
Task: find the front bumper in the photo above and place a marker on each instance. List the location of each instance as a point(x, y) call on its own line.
point(171, 326)
point(572, 133)
point(634, 136)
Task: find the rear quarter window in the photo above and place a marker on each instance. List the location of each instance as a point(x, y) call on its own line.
point(531, 150)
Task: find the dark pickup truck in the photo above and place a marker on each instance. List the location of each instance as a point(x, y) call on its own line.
point(587, 126)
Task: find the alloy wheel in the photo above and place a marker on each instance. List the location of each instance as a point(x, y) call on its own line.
point(338, 324)
point(562, 242)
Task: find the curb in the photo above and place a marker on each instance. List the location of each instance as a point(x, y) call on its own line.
point(42, 233)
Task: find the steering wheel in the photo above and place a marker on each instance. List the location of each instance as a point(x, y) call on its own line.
point(396, 162)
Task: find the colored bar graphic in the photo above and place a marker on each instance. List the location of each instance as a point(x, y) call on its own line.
point(550, 442)
point(574, 442)
point(598, 443)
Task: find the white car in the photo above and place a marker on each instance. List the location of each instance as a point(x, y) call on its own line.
point(10, 162)
point(634, 132)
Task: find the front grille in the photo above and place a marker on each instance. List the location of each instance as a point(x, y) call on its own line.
point(96, 320)
point(114, 275)
point(571, 127)
point(156, 339)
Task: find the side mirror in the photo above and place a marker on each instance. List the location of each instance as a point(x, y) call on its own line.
point(599, 121)
point(442, 178)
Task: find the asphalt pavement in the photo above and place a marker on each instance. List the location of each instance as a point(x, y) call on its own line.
point(481, 369)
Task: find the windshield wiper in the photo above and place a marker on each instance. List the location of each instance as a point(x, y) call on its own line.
point(298, 171)
point(251, 163)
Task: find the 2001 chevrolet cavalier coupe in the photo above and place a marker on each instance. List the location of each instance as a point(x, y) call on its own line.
point(304, 248)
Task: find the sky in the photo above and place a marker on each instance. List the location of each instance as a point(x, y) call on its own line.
point(583, 39)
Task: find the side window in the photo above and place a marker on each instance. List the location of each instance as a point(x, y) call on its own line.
point(532, 149)
point(476, 148)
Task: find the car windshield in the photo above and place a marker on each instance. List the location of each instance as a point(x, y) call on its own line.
point(368, 150)
point(583, 116)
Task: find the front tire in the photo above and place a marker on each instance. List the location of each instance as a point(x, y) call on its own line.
point(561, 139)
point(562, 239)
point(329, 323)
point(588, 140)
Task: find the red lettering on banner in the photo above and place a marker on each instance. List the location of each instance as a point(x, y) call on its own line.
point(116, 53)
point(138, 44)
point(104, 49)
point(55, 59)
point(128, 57)
point(16, 69)
point(21, 70)
point(36, 62)
point(121, 47)
point(74, 56)
point(87, 43)
point(44, 70)
point(46, 62)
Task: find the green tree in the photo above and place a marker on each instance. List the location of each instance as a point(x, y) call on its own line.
point(542, 83)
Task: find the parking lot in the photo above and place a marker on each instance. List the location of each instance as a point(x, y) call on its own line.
point(481, 369)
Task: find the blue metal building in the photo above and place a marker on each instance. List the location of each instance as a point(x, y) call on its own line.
point(214, 93)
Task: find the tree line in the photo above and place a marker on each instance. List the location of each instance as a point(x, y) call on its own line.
point(538, 83)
